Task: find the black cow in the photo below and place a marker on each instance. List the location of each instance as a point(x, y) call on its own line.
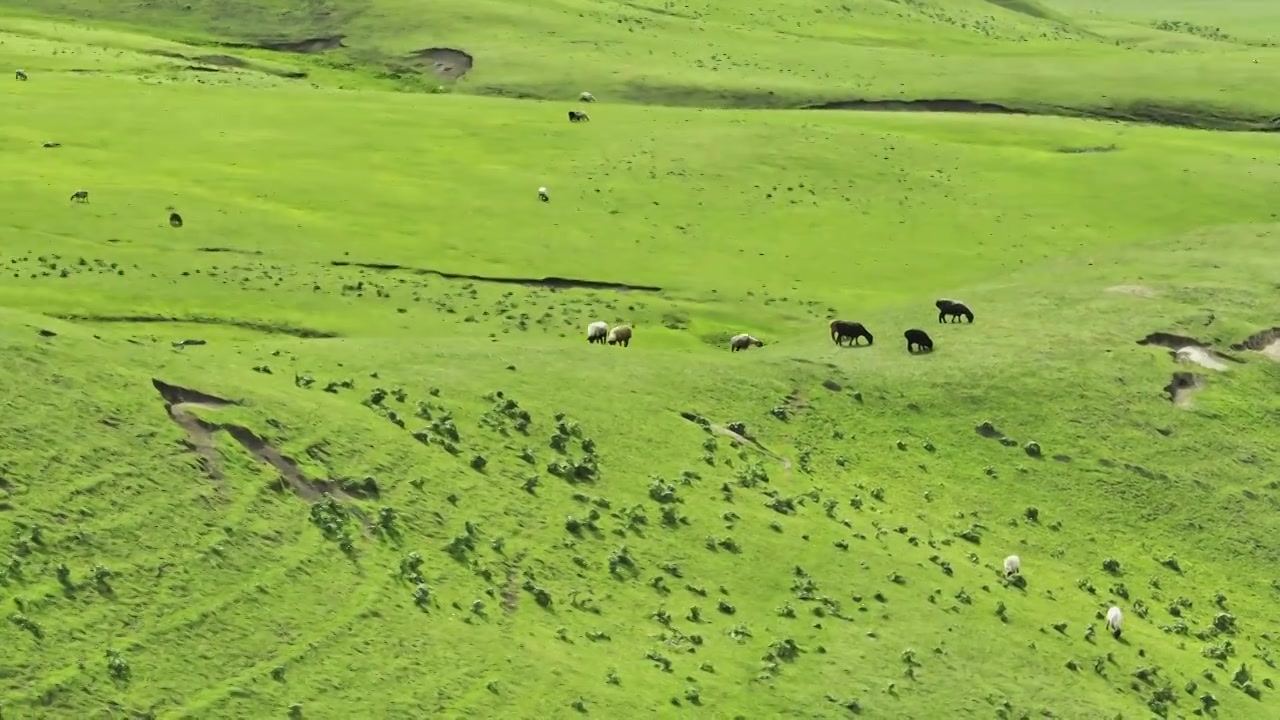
point(81, 195)
point(919, 339)
point(20, 75)
point(577, 116)
point(175, 219)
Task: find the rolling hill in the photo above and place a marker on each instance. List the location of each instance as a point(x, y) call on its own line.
point(334, 447)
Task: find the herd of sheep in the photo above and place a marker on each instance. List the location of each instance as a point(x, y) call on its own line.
point(841, 330)
point(1115, 618)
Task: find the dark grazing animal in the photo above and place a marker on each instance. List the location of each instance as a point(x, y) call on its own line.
point(20, 75)
point(953, 309)
point(577, 116)
point(918, 338)
point(175, 219)
point(81, 196)
point(842, 329)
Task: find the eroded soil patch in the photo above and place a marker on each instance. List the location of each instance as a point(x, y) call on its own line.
point(446, 63)
point(178, 402)
point(1185, 349)
point(741, 437)
point(1266, 342)
point(554, 283)
point(1182, 386)
point(201, 433)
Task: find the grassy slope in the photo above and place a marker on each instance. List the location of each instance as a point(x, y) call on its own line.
point(711, 52)
point(215, 586)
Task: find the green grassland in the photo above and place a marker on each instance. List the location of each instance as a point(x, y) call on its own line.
point(519, 524)
point(1053, 55)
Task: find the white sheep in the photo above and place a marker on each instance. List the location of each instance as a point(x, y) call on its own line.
point(597, 332)
point(542, 194)
point(588, 97)
point(1114, 620)
point(742, 342)
point(1012, 565)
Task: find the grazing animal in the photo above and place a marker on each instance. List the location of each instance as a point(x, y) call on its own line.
point(577, 116)
point(52, 144)
point(1012, 566)
point(20, 75)
point(1114, 619)
point(953, 308)
point(597, 332)
point(175, 219)
point(841, 329)
point(743, 341)
point(587, 97)
point(81, 196)
point(918, 338)
point(620, 335)
point(542, 195)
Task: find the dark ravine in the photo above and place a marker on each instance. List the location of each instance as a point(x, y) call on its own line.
point(306, 45)
point(555, 283)
point(176, 395)
point(1140, 113)
point(201, 440)
point(262, 327)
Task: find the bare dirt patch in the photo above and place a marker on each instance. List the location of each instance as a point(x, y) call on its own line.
point(1199, 356)
point(445, 63)
point(1266, 342)
point(553, 283)
point(1135, 290)
point(1182, 386)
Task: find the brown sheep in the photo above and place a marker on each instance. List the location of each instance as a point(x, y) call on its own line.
point(620, 335)
point(743, 342)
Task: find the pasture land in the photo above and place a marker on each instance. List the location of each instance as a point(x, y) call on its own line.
point(337, 448)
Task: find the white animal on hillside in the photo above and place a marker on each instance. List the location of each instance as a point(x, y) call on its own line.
point(597, 332)
point(1012, 565)
point(588, 97)
point(542, 194)
point(743, 341)
point(1114, 619)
